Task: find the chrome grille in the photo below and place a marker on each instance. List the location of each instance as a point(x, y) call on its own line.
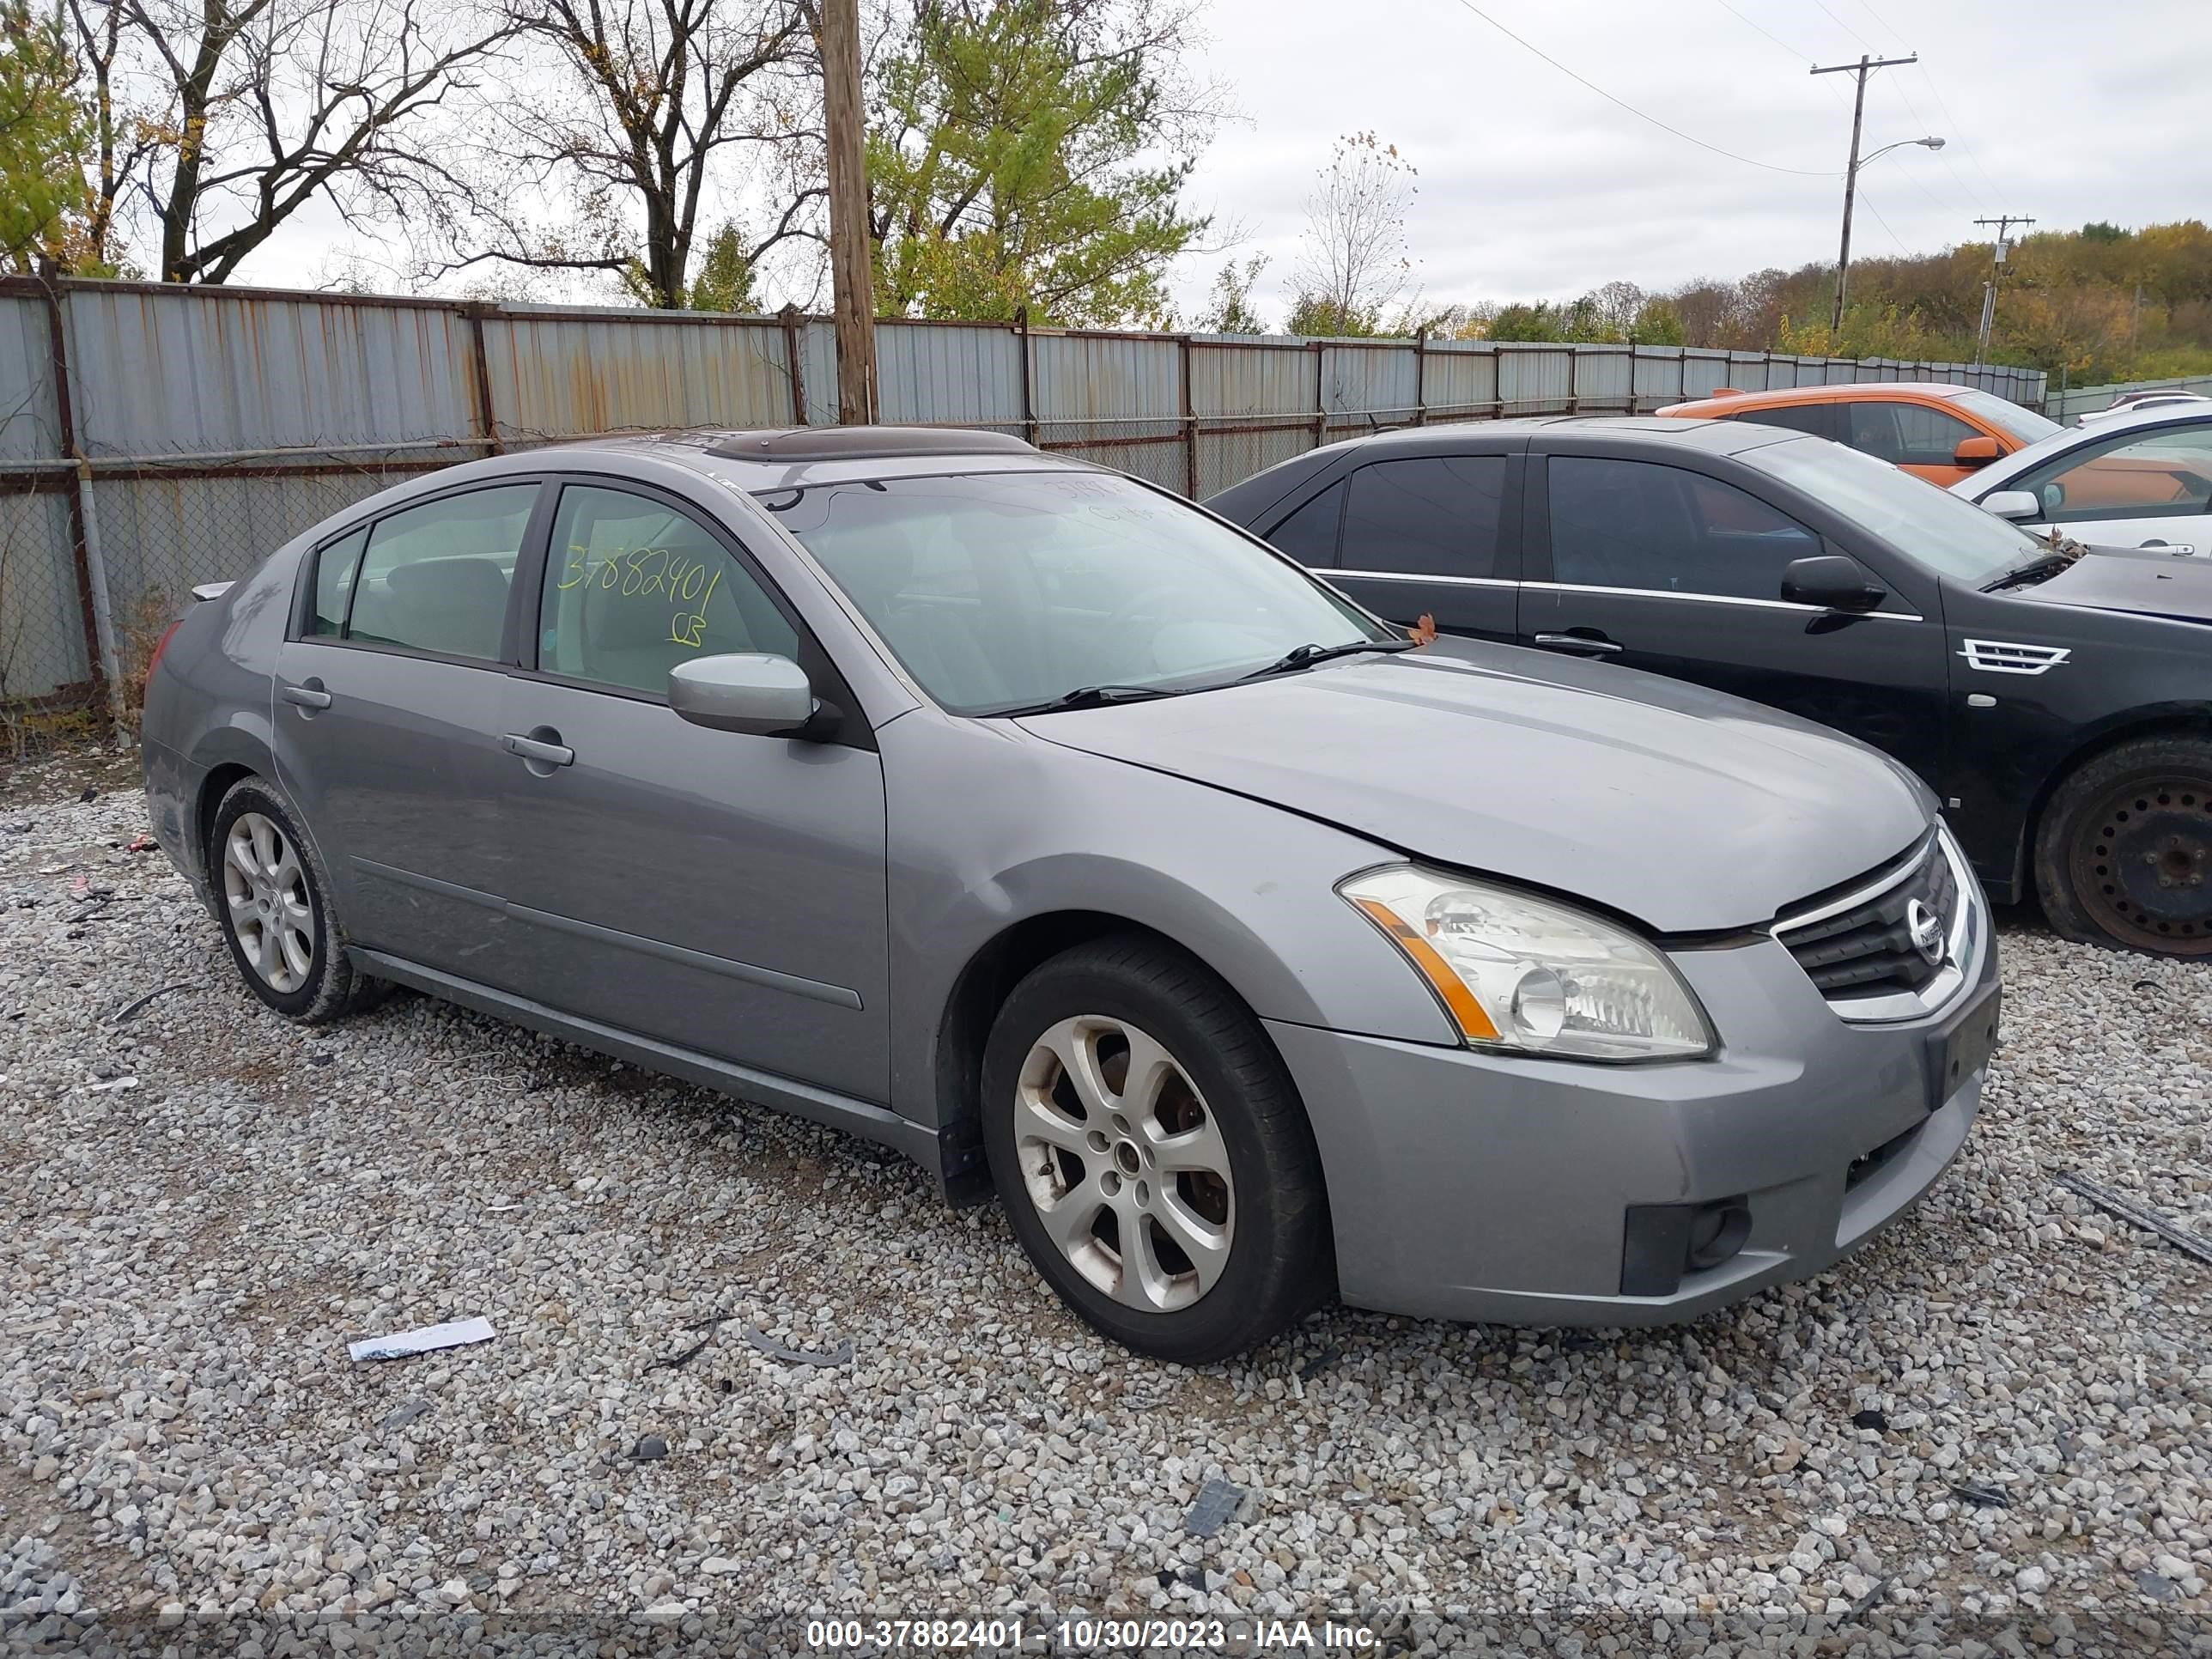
point(1857, 944)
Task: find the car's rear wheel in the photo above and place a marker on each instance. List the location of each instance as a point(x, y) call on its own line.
point(1152, 1154)
point(273, 901)
point(2125, 854)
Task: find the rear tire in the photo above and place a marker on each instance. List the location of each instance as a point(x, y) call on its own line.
point(1152, 1154)
point(272, 899)
point(2123, 853)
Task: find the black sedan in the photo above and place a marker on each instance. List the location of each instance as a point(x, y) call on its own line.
point(2060, 703)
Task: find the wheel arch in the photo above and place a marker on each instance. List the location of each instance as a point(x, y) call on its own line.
point(979, 991)
point(2181, 720)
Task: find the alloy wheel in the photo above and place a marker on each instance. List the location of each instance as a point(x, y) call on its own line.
point(1124, 1163)
point(265, 889)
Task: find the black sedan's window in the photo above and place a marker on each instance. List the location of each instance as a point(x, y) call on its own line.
point(1429, 515)
point(1640, 525)
point(1308, 535)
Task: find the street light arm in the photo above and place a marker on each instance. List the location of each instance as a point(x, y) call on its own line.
point(1930, 143)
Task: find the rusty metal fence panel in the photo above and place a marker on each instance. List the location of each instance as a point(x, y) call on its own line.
point(154, 438)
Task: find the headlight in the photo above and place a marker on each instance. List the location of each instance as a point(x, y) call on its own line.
point(1522, 973)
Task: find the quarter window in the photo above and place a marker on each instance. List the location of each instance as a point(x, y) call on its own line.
point(1908, 435)
point(2157, 475)
point(1308, 535)
point(1429, 515)
point(634, 586)
point(335, 568)
point(1640, 525)
point(435, 577)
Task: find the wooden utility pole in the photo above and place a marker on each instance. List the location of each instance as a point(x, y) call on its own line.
point(851, 274)
point(1998, 254)
point(1864, 67)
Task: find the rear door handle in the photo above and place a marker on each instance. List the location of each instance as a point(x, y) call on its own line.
point(310, 696)
point(535, 749)
point(1577, 645)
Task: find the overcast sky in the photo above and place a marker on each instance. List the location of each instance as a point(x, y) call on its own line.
point(1534, 187)
point(1531, 187)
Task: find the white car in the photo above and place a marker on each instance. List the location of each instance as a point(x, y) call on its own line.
point(2140, 479)
point(2129, 402)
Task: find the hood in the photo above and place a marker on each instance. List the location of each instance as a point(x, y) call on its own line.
point(1684, 808)
point(2145, 581)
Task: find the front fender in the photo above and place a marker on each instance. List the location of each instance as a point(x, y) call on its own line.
point(992, 827)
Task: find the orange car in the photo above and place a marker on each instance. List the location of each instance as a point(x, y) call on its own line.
point(1942, 433)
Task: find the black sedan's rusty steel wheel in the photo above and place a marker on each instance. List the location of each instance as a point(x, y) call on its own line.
point(2142, 862)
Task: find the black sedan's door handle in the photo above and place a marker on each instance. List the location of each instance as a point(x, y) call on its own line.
point(309, 695)
point(537, 749)
point(1577, 645)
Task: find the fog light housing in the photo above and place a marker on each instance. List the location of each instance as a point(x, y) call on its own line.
point(1660, 1243)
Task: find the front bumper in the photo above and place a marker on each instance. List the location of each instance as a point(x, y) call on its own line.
point(1477, 1187)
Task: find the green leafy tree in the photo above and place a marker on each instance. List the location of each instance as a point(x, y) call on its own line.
point(1034, 152)
point(725, 282)
point(44, 130)
point(1231, 310)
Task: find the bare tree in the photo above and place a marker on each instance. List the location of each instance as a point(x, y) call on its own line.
point(650, 93)
point(222, 118)
point(1353, 262)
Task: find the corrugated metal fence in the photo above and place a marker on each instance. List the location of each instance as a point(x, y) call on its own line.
point(2074, 401)
point(152, 438)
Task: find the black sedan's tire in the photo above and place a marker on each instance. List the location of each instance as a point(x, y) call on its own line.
point(272, 899)
point(1152, 1154)
point(2123, 854)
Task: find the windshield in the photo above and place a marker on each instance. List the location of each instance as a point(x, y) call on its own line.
point(1947, 534)
point(1010, 590)
point(2023, 424)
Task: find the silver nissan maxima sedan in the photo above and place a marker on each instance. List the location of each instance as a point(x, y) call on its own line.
point(1024, 817)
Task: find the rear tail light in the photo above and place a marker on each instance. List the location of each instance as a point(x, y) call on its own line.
point(154, 661)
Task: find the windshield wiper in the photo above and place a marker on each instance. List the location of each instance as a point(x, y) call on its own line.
point(1088, 697)
point(2063, 549)
point(1301, 656)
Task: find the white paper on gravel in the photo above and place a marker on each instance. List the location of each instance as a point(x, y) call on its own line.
point(455, 1333)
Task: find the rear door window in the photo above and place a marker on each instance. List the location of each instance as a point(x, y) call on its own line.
point(1429, 515)
point(1640, 525)
point(1818, 419)
point(435, 577)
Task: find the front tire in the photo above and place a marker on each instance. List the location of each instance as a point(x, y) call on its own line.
point(272, 898)
point(1152, 1154)
point(2123, 854)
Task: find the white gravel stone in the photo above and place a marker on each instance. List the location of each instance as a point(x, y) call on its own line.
point(182, 1437)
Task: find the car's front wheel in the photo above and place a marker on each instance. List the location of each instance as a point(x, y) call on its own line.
point(274, 904)
point(1152, 1154)
point(2123, 855)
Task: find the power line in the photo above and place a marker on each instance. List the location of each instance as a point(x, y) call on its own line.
point(1801, 57)
point(1845, 26)
point(1801, 173)
point(1953, 120)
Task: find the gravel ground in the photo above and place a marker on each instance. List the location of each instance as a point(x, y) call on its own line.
point(1993, 1426)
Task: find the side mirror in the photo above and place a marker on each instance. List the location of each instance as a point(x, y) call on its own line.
point(750, 692)
point(1834, 580)
point(2021, 506)
point(1975, 452)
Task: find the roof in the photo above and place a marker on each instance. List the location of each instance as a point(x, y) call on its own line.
point(785, 457)
point(1724, 437)
point(1846, 391)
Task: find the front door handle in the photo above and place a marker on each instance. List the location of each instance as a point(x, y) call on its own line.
point(1577, 645)
point(309, 695)
point(537, 749)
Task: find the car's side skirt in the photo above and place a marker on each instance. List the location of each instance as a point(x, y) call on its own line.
point(860, 1117)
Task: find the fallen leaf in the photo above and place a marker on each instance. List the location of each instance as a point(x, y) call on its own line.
point(1423, 632)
